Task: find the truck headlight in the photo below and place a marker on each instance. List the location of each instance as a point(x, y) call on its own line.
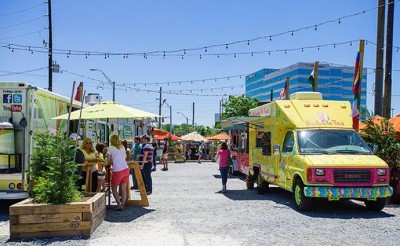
point(320, 172)
point(381, 171)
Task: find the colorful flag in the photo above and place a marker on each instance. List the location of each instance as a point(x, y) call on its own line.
point(282, 94)
point(79, 91)
point(311, 80)
point(356, 88)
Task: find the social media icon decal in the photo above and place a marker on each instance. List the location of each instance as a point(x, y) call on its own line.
point(17, 98)
point(7, 98)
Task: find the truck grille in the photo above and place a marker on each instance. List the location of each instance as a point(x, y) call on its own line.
point(352, 176)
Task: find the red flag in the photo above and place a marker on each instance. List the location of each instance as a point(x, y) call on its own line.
point(282, 94)
point(78, 95)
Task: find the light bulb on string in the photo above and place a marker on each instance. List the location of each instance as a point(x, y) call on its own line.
point(200, 56)
point(270, 38)
point(248, 42)
point(234, 55)
point(315, 27)
point(182, 57)
point(205, 49)
point(226, 46)
point(184, 52)
point(339, 21)
point(252, 54)
point(351, 43)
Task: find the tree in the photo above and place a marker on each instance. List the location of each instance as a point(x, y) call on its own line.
point(238, 106)
point(384, 136)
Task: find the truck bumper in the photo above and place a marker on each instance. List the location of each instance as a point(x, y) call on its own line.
point(6, 195)
point(348, 192)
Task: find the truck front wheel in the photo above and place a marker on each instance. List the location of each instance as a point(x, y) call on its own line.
point(377, 205)
point(301, 202)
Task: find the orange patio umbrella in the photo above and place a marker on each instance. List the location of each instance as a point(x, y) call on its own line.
point(396, 125)
point(219, 137)
point(376, 119)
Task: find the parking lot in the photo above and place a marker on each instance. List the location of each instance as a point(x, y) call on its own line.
point(185, 209)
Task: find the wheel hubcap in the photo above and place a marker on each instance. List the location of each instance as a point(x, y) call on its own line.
point(297, 194)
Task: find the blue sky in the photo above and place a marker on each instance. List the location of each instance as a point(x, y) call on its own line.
point(143, 26)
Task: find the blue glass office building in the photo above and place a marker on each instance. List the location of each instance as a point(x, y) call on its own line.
point(334, 82)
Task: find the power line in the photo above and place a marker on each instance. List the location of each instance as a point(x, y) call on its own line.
point(23, 10)
point(26, 34)
point(23, 72)
point(21, 23)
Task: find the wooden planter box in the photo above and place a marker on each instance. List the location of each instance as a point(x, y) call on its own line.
point(28, 219)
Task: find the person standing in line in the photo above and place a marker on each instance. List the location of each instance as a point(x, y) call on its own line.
point(155, 155)
point(223, 155)
point(164, 158)
point(117, 158)
point(136, 148)
point(101, 172)
point(200, 152)
point(147, 163)
point(90, 155)
point(128, 151)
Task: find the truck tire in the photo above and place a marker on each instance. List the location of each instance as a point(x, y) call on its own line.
point(249, 182)
point(301, 202)
point(377, 205)
point(261, 185)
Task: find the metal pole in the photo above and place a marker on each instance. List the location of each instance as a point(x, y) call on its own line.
point(378, 110)
point(170, 119)
point(113, 86)
point(159, 109)
point(187, 123)
point(193, 116)
point(50, 49)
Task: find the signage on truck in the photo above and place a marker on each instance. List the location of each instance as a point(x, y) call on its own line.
point(16, 108)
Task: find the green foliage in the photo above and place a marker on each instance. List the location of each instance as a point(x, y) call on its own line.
point(384, 136)
point(238, 106)
point(53, 169)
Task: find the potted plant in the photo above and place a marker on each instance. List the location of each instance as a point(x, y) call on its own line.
point(55, 206)
point(383, 136)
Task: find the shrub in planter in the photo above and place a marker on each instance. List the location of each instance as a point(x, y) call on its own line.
point(53, 170)
point(56, 208)
point(384, 136)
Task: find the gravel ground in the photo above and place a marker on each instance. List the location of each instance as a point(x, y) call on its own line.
point(186, 210)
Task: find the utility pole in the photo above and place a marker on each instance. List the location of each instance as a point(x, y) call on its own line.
point(388, 62)
point(50, 87)
point(193, 116)
point(159, 109)
point(378, 110)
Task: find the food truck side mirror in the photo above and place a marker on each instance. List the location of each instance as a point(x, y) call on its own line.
point(276, 149)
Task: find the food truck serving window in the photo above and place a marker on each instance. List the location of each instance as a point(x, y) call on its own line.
point(264, 142)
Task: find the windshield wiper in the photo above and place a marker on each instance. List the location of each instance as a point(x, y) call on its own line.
point(351, 151)
point(317, 151)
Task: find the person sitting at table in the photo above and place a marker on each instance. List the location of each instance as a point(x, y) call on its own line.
point(101, 172)
point(90, 155)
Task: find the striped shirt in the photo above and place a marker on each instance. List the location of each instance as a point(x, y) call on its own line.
point(150, 151)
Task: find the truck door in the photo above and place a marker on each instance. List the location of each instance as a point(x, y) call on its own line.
point(286, 161)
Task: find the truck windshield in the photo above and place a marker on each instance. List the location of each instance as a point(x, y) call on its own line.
point(331, 141)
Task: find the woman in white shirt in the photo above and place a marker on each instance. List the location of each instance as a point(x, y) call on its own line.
point(116, 156)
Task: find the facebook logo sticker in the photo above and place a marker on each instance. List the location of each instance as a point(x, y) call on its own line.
point(17, 98)
point(7, 98)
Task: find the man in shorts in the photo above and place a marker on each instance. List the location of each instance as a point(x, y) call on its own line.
point(164, 158)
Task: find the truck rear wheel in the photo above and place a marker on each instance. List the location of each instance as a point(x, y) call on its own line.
point(301, 202)
point(249, 182)
point(377, 205)
point(261, 185)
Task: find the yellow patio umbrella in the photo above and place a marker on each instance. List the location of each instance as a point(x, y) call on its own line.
point(107, 110)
